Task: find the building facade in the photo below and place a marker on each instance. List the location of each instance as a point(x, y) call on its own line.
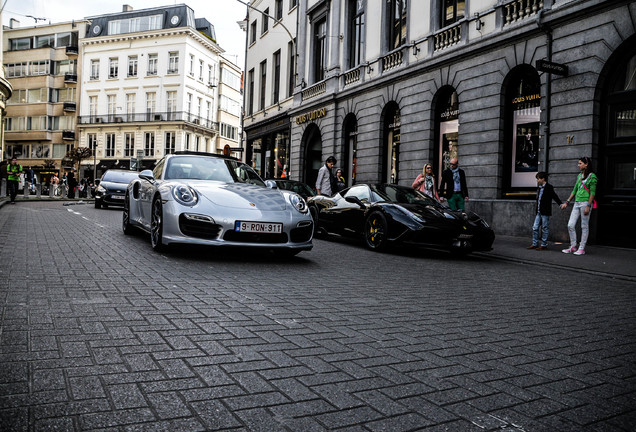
point(149, 87)
point(509, 87)
point(270, 80)
point(229, 109)
point(41, 63)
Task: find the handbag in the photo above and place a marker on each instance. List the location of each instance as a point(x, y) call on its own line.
point(588, 191)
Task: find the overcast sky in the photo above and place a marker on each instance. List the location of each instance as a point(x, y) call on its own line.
point(223, 14)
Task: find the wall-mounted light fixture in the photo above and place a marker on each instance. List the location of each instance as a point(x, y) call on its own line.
point(478, 23)
point(369, 70)
point(415, 49)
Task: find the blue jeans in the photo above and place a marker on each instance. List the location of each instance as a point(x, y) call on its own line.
point(543, 222)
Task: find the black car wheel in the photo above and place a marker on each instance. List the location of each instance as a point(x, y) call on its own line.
point(98, 204)
point(375, 231)
point(128, 228)
point(313, 211)
point(156, 226)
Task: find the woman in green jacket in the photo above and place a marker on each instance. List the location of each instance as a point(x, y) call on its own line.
point(583, 195)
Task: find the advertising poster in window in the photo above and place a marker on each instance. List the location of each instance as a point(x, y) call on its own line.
point(448, 144)
point(525, 147)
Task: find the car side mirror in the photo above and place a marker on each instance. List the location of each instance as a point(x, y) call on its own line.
point(355, 200)
point(271, 184)
point(147, 175)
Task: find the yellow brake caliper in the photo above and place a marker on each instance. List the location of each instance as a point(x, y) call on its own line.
point(372, 230)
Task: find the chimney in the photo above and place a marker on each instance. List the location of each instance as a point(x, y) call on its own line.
point(14, 23)
point(127, 8)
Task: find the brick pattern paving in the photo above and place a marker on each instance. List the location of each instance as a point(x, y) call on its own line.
point(98, 333)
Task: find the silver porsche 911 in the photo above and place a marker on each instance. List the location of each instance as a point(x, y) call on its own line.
point(207, 199)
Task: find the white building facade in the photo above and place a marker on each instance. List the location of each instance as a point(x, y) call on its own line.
point(270, 82)
point(510, 87)
point(148, 87)
point(229, 109)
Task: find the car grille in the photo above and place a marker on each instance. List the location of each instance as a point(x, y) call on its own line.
point(243, 237)
point(302, 234)
point(198, 228)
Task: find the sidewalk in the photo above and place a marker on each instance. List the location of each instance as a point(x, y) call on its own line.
point(619, 263)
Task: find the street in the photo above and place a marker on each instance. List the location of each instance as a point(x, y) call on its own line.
point(98, 332)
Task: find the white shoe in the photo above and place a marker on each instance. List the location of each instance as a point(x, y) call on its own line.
point(580, 252)
point(570, 250)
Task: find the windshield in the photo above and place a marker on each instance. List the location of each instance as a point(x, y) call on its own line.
point(210, 168)
point(401, 195)
point(120, 176)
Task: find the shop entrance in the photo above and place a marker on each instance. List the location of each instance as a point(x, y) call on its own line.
point(617, 159)
point(312, 143)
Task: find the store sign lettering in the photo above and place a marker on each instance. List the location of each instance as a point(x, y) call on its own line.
point(449, 113)
point(311, 115)
point(528, 98)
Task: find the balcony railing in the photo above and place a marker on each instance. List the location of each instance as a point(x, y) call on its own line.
point(520, 9)
point(448, 37)
point(71, 50)
point(315, 90)
point(352, 76)
point(70, 106)
point(70, 77)
point(171, 116)
point(392, 60)
point(68, 135)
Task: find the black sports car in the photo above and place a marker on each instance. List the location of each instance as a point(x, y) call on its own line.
point(383, 214)
point(295, 186)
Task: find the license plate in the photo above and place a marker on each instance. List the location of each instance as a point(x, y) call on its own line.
point(258, 227)
point(117, 197)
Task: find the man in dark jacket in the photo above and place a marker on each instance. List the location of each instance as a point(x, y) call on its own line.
point(545, 195)
point(453, 186)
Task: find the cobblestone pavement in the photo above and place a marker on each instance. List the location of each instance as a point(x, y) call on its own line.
point(99, 333)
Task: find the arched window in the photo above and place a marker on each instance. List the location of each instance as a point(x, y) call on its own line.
point(391, 143)
point(350, 139)
point(312, 145)
point(447, 127)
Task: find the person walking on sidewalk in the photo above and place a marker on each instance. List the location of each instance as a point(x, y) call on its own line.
point(454, 187)
point(583, 195)
point(545, 195)
point(326, 179)
point(425, 182)
point(13, 178)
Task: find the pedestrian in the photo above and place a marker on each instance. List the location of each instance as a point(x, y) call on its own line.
point(55, 181)
point(72, 183)
point(29, 179)
point(340, 181)
point(13, 178)
point(453, 187)
point(583, 195)
point(425, 182)
point(326, 178)
point(545, 195)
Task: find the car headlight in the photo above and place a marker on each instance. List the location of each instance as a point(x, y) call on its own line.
point(185, 195)
point(298, 202)
point(101, 189)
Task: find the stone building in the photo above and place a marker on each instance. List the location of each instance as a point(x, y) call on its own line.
point(511, 87)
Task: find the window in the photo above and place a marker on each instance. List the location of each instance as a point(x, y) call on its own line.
point(110, 144)
point(92, 105)
point(149, 140)
point(171, 102)
point(15, 70)
point(250, 88)
point(396, 24)
point(227, 77)
point(253, 32)
point(200, 70)
point(276, 83)
point(210, 75)
point(112, 107)
point(279, 10)
point(137, 24)
point(63, 95)
point(453, 11)
point(230, 105)
point(65, 66)
point(320, 49)
point(265, 23)
point(291, 60)
point(129, 144)
point(45, 41)
point(37, 95)
point(66, 40)
point(229, 132)
point(191, 65)
point(94, 70)
point(189, 105)
point(20, 44)
point(356, 33)
point(92, 141)
point(197, 140)
point(113, 67)
point(130, 106)
point(40, 67)
point(208, 110)
point(152, 64)
point(170, 144)
point(187, 141)
point(261, 105)
point(173, 62)
point(293, 4)
point(62, 123)
point(151, 103)
point(38, 123)
point(19, 96)
point(199, 107)
point(132, 66)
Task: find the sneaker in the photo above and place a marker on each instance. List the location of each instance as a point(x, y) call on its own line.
point(569, 250)
point(580, 252)
point(532, 247)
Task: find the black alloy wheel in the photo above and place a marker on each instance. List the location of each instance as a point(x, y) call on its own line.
point(156, 225)
point(313, 211)
point(375, 231)
point(127, 227)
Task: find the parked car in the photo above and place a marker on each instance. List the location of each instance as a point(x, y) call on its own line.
point(112, 187)
point(208, 199)
point(295, 186)
point(385, 214)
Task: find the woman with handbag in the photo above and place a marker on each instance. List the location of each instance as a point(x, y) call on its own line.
point(583, 195)
point(426, 183)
